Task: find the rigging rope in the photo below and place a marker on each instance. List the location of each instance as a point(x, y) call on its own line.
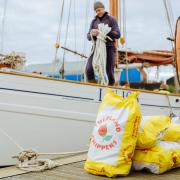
point(169, 16)
point(86, 25)
point(75, 23)
point(171, 24)
point(85, 31)
point(59, 29)
point(3, 25)
point(57, 45)
point(75, 35)
point(171, 13)
point(62, 69)
point(123, 5)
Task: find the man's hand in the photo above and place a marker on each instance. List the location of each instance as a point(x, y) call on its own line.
point(94, 32)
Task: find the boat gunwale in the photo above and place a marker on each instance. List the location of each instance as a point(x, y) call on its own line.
point(86, 83)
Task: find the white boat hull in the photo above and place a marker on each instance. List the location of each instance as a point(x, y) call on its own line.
point(57, 116)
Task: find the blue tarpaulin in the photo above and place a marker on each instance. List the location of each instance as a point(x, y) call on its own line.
point(133, 74)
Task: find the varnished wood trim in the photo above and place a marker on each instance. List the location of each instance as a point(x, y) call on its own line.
point(83, 83)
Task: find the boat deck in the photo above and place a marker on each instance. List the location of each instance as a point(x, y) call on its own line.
point(75, 171)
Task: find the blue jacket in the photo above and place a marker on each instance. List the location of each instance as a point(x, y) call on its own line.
point(111, 21)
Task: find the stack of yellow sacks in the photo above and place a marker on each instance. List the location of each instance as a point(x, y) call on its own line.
point(114, 136)
point(122, 139)
point(158, 144)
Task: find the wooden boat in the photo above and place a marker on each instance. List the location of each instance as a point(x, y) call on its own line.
point(56, 115)
point(51, 115)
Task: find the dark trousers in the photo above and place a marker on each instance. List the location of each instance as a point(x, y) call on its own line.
point(109, 66)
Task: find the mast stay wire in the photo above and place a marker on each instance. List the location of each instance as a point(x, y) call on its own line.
point(75, 23)
point(3, 25)
point(169, 16)
point(171, 23)
point(75, 33)
point(88, 5)
point(86, 24)
point(58, 38)
point(59, 28)
point(124, 32)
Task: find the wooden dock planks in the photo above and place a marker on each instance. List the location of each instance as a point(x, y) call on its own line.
point(72, 168)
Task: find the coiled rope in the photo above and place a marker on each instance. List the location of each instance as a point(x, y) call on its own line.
point(28, 159)
point(100, 54)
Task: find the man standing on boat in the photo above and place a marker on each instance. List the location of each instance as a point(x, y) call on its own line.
point(103, 17)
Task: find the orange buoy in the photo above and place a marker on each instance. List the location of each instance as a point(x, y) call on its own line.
point(177, 43)
point(57, 45)
point(122, 40)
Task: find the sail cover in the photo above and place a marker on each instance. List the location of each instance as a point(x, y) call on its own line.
point(177, 42)
point(148, 58)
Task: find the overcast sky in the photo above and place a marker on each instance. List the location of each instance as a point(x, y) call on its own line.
point(31, 26)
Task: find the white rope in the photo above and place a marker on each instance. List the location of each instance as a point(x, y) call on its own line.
point(11, 139)
point(100, 54)
point(38, 166)
point(29, 158)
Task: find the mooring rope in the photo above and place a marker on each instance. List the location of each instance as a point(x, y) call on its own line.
point(28, 159)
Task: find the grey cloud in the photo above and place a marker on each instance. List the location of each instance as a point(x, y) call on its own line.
point(31, 26)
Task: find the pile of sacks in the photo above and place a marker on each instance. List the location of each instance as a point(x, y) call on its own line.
point(123, 140)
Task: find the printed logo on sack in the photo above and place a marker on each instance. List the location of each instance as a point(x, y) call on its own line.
point(103, 133)
point(106, 137)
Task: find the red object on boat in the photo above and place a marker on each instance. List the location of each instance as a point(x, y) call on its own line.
point(148, 58)
point(5, 66)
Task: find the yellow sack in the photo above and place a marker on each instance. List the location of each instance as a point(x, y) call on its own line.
point(152, 129)
point(114, 136)
point(159, 159)
point(173, 132)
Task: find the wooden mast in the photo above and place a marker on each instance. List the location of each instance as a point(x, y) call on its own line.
point(114, 8)
point(114, 11)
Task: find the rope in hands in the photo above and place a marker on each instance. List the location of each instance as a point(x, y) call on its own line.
point(99, 54)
